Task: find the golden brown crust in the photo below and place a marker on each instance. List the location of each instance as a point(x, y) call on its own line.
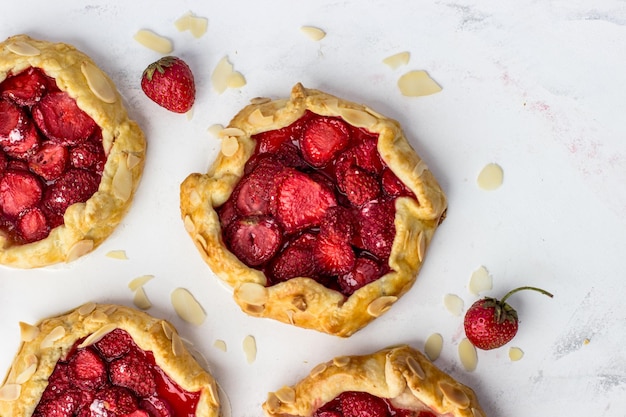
point(149, 333)
point(400, 374)
point(86, 224)
point(302, 301)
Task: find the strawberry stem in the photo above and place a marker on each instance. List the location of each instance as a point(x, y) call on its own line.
point(510, 293)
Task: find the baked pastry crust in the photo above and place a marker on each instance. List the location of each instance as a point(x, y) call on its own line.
point(57, 335)
point(302, 301)
point(401, 374)
point(86, 224)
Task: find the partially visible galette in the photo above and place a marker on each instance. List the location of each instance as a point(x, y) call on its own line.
point(393, 382)
point(70, 157)
point(104, 360)
point(317, 212)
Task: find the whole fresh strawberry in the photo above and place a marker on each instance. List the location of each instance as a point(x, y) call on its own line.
point(490, 323)
point(169, 83)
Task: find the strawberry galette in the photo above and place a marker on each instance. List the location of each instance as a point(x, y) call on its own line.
point(70, 158)
point(393, 382)
point(317, 211)
point(106, 361)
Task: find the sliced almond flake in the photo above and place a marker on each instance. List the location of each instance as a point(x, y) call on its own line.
point(56, 334)
point(417, 84)
point(30, 359)
point(249, 348)
point(168, 329)
point(477, 413)
point(98, 83)
point(183, 23)
point(433, 346)
point(421, 246)
point(468, 355)
point(190, 227)
point(87, 308)
point(454, 394)
point(313, 32)
point(231, 131)
point(397, 60)
point(454, 304)
point(236, 80)
point(220, 344)
point(80, 248)
point(260, 100)
point(140, 299)
point(341, 361)
point(10, 392)
point(221, 74)
point(153, 41)
point(415, 367)
point(358, 118)
point(132, 160)
point(380, 305)
point(122, 182)
point(374, 113)
point(23, 48)
point(273, 403)
point(187, 307)
point(480, 281)
point(96, 336)
point(26, 374)
point(215, 129)
point(28, 332)
point(110, 310)
point(117, 254)
point(490, 177)
point(230, 145)
point(99, 316)
point(286, 395)
point(138, 282)
point(257, 118)
point(515, 354)
point(195, 24)
point(177, 345)
point(318, 369)
point(189, 114)
point(252, 293)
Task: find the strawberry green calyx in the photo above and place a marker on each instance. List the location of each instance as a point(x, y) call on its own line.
point(159, 66)
point(504, 311)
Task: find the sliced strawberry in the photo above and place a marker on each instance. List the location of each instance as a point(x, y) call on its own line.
point(295, 260)
point(362, 404)
point(367, 156)
point(365, 270)
point(338, 223)
point(301, 202)
point(87, 370)
point(65, 405)
point(25, 88)
point(272, 140)
point(88, 155)
point(114, 344)
point(377, 229)
point(254, 192)
point(4, 161)
point(32, 225)
point(60, 119)
point(74, 186)
point(156, 407)
point(50, 161)
point(324, 138)
point(27, 141)
point(253, 239)
point(360, 186)
point(58, 382)
point(333, 256)
point(18, 135)
point(133, 372)
point(393, 186)
point(19, 190)
point(227, 213)
point(117, 400)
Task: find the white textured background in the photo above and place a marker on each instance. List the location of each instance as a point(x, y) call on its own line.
point(535, 86)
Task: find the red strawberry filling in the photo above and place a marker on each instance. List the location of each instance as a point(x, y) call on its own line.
point(113, 378)
point(316, 200)
point(362, 404)
point(51, 155)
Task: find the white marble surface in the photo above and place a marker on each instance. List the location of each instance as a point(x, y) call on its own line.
point(535, 86)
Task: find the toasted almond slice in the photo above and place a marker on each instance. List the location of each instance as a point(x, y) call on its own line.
point(153, 41)
point(187, 307)
point(341, 361)
point(477, 413)
point(10, 392)
point(380, 305)
point(252, 293)
point(490, 177)
point(260, 100)
point(30, 359)
point(28, 332)
point(56, 334)
point(515, 354)
point(177, 345)
point(23, 48)
point(110, 310)
point(168, 330)
point(258, 119)
point(190, 227)
point(421, 246)
point(122, 182)
point(236, 80)
point(132, 160)
point(454, 394)
point(415, 367)
point(318, 369)
point(313, 33)
point(140, 300)
point(433, 346)
point(468, 355)
point(249, 348)
point(286, 395)
point(215, 129)
point(221, 74)
point(98, 335)
point(138, 282)
point(480, 281)
point(231, 131)
point(117, 254)
point(80, 248)
point(195, 24)
point(25, 375)
point(230, 145)
point(98, 83)
point(358, 118)
point(87, 308)
point(397, 60)
point(99, 316)
point(417, 84)
point(453, 303)
point(220, 344)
